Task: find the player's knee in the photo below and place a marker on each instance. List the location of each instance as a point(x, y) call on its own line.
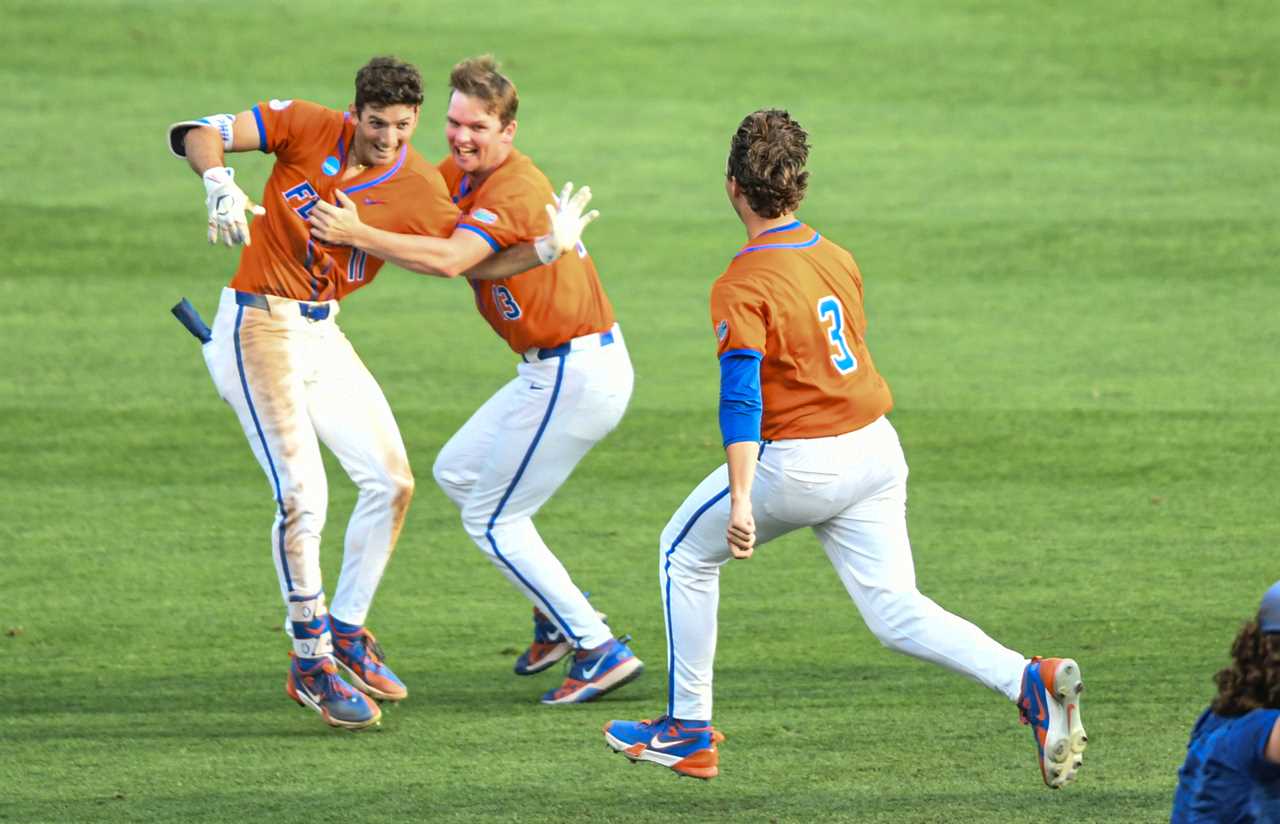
point(450, 481)
point(670, 534)
point(893, 617)
point(303, 511)
point(400, 488)
point(393, 487)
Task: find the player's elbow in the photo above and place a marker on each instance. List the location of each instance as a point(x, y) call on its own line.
point(451, 269)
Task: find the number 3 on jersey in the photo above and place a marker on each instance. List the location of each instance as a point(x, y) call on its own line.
point(831, 316)
point(506, 303)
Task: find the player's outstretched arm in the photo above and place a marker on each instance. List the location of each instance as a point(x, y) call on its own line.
point(462, 253)
point(204, 143)
point(340, 224)
point(568, 222)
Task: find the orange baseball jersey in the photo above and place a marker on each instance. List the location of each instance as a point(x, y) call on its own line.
point(547, 305)
point(310, 143)
point(796, 299)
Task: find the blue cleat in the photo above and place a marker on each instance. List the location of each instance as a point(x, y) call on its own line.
point(687, 748)
point(549, 645)
point(1050, 703)
point(595, 672)
point(318, 686)
point(360, 657)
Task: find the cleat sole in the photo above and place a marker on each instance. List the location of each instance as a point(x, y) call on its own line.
point(1065, 739)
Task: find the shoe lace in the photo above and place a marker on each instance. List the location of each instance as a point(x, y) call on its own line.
point(570, 661)
point(336, 687)
point(360, 647)
point(326, 682)
point(372, 648)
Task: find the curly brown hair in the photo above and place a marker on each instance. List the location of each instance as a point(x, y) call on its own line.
point(479, 77)
point(388, 81)
point(1252, 681)
point(766, 158)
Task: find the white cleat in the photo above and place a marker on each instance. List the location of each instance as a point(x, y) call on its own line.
point(1050, 703)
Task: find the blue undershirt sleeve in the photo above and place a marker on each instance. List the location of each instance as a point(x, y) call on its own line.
point(740, 402)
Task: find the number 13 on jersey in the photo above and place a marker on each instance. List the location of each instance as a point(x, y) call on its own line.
point(831, 316)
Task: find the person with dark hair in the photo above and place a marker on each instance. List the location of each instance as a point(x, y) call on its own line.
point(1232, 771)
point(571, 388)
point(807, 443)
point(279, 359)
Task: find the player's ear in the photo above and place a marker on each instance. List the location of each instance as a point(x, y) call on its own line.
point(509, 132)
point(353, 112)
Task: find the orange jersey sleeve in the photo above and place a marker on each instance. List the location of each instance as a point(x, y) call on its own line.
point(547, 305)
point(796, 298)
point(310, 143)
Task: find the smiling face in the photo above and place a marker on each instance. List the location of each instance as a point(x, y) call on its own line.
point(478, 142)
point(381, 131)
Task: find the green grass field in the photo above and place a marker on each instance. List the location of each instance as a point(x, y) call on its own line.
point(1066, 216)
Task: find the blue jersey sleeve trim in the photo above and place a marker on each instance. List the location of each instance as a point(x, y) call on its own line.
point(493, 244)
point(750, 353)
point(262, 130)
point(741, 405)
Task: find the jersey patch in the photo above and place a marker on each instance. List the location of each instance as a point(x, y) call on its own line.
point(484, 216)
point(722, 330)
point(279, 105)
point(330, 166)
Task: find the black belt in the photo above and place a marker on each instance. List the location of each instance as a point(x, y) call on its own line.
point(313, 311)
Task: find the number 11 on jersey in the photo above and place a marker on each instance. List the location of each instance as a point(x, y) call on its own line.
point(831, 316)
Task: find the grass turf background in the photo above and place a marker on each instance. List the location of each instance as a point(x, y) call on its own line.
point(1066, 218)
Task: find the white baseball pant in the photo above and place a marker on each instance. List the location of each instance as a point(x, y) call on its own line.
point(295, 381)
point(851, 489)
point(512, 455)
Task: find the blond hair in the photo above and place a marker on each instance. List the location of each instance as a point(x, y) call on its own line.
point(479, 78)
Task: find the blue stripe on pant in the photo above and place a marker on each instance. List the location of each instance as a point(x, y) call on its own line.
point(671, 642)
point(493, 519)
point(266, 451)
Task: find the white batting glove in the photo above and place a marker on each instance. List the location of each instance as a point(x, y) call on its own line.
point(567, 223)
point(227, 204)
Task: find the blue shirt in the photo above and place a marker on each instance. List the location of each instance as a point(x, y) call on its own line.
point(1226, 778)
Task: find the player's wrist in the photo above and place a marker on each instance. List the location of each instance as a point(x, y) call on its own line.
point(216, 177)
point(547, 248)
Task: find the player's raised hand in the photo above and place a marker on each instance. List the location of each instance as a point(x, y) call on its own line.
point(742, 529)
point(227, 204)
point(567, 222)
point(338, 224)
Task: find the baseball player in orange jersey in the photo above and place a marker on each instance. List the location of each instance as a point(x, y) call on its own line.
point(278, 358)
point(802, 414)
point(571, 386)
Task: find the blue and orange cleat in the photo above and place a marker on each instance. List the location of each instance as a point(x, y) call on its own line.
point(1050, 703)
point(361, 659)
point(686, 749)
point(596, 672)
point(549, 645)
point(317, 685)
